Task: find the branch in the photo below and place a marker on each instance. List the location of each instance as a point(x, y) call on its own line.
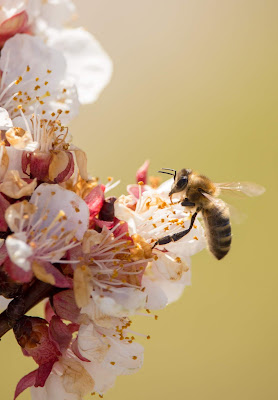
point(19, 306)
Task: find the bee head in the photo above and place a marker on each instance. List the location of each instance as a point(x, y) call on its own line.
point(180, 181)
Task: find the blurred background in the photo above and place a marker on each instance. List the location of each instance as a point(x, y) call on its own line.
point(194, 85)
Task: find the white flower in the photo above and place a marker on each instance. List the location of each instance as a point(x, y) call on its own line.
point(111, 350)
point(110, 273)
point(153, 218)
point(45, 228)
point(34, 83)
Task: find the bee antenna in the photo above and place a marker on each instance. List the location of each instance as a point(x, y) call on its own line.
point(170, 169)
point(173, 173)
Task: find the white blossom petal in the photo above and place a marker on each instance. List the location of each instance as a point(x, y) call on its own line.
point(5, 121)
point(88, 65)
point(75, 209)
point(19, 252)
point(52, 390)
point(120, 303)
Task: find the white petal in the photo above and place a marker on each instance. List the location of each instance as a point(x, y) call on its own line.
point(56, 12)
point(90, 344)
point(15, 163)
point(122, 353)
point(125, 301)
point(156, 297)
point(87, 64)
point(25, 50)
point(19, 252)
point(103, 375)
point(5, 121)
point(53, 390)
point(75, 209)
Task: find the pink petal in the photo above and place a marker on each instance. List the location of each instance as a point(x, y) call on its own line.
point(60, 280)
point(101, 224)
point(76, 351)
point(17, 273)
point(121, 228)
point(26, 382)
point(135, 191)
point(43, 373)
point(73, 327)
point(48, 311)
point(16, 24)
point(32, 334)
point(60, 333)
point(67, 173)
point(38, 163)
point(65, 306)
point(94, 200)
point(141, 174)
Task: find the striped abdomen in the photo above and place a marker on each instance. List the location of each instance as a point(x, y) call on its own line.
point(218, 229)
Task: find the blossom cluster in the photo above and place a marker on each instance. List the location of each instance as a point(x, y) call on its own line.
point(63, 239)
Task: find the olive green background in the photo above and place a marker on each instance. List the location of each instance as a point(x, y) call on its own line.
point(194, 85)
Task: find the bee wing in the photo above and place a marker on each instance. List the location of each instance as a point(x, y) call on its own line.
point(248, 188)
point(237, 216)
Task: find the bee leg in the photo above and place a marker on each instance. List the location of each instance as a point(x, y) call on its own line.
point(179, 235)
point(187, 203)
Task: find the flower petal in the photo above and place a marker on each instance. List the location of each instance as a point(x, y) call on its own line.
point(125, 301)
point(87, 64)
point(19, 252)
point(5, 121)
point(75, 209)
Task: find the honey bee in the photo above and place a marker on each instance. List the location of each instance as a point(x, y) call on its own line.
point(199, 193)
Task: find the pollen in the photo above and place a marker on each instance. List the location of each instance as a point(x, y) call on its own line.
point(134, 357)
point(148, 337)
point(195, 237)
point(49, 71)
point(112, 363)
point(27, 68)
point(18, 80)
point(141, 183)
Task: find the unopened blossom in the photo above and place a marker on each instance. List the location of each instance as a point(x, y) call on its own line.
point(13, 19)
point(45, 228)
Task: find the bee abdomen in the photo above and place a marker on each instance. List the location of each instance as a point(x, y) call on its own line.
point(218, 230)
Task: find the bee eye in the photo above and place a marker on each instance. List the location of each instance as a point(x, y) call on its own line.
point(182, 182)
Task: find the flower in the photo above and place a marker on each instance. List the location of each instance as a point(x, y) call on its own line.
point(45, 228)
point(32, 83)
point(151, 215)
point(110, 271)
point(47, 154)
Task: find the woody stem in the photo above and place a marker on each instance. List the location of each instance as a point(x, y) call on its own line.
point(20, 305)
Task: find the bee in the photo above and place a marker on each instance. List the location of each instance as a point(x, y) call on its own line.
point(200, 194)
